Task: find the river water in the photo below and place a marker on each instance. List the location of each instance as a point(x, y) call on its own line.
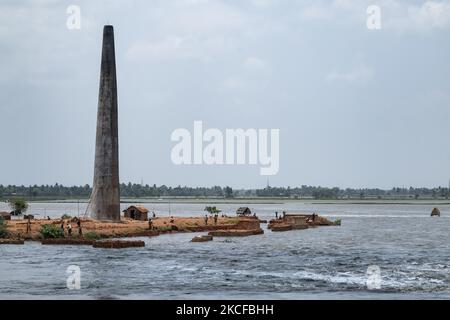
point(408, 247)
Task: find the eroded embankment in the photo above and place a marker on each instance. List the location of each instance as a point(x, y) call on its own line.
point(92, 230)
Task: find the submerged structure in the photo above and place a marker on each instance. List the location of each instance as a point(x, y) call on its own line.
point(436, 212)
point(299, 222)
point(105, 199)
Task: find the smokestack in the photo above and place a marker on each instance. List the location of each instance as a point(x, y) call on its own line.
point(105, 200)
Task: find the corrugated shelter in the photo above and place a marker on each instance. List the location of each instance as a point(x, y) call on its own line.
point(5, 215)
point(436, 212)
point(243, 211)
point(136, 213)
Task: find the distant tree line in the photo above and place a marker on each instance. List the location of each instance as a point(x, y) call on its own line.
point(337, 193)
point(58, 191)
point(126, 190)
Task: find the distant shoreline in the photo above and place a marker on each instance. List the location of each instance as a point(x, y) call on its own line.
point(258, 201)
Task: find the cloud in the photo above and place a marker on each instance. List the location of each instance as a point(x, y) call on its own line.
point(316, 12)
point(254, 63)
point(233, 83)
point(397, 15)
point(430, 15)
point(171, 47)
point(339, 10)
point(262, 3)
point(187, 47)
point(360, 74)
point(266, 60)
point(190, 29)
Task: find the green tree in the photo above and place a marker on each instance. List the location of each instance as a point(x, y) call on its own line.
point(18, 205)
point(50, 231)
point(228, 192)
point(212, 210)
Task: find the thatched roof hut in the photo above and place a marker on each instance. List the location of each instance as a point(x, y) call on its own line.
point(5, 215)
point(436, 212)
point(243, 211)
point(136, 213)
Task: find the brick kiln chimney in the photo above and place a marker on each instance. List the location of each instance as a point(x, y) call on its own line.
point(105, 199)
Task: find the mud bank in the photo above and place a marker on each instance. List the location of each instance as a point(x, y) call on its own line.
point(202, 238)
point(95, 230)
point(118, 244)
point(236, 233)
point(11, 241)
point(67, 242)
point(290, 222)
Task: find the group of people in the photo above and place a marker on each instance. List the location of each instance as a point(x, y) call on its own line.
point(280, 216)
point(312, 218)
point(69, 228)
point(215, 217)
point(63, 227)
point(150, 220)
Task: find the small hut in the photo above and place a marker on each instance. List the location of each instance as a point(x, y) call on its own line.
point(28, 217)
point(436, 212)
point(136, 213)
point(5, 215)
point(243, 211)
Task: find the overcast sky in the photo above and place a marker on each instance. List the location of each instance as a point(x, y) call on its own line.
point(355, 107)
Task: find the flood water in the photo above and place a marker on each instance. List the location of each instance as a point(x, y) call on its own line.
point(410, 248)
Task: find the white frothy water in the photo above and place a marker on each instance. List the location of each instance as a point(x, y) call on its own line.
point(410, 248)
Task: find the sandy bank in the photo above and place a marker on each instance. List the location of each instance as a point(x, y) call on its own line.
point(129, 228)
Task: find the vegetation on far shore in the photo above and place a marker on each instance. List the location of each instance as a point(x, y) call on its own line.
point(60, 192)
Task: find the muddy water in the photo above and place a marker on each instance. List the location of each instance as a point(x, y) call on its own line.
point(410, 248)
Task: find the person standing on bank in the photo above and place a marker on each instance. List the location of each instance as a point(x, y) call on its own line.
point(80, 231)
point(29, 226)
point(150, 224)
